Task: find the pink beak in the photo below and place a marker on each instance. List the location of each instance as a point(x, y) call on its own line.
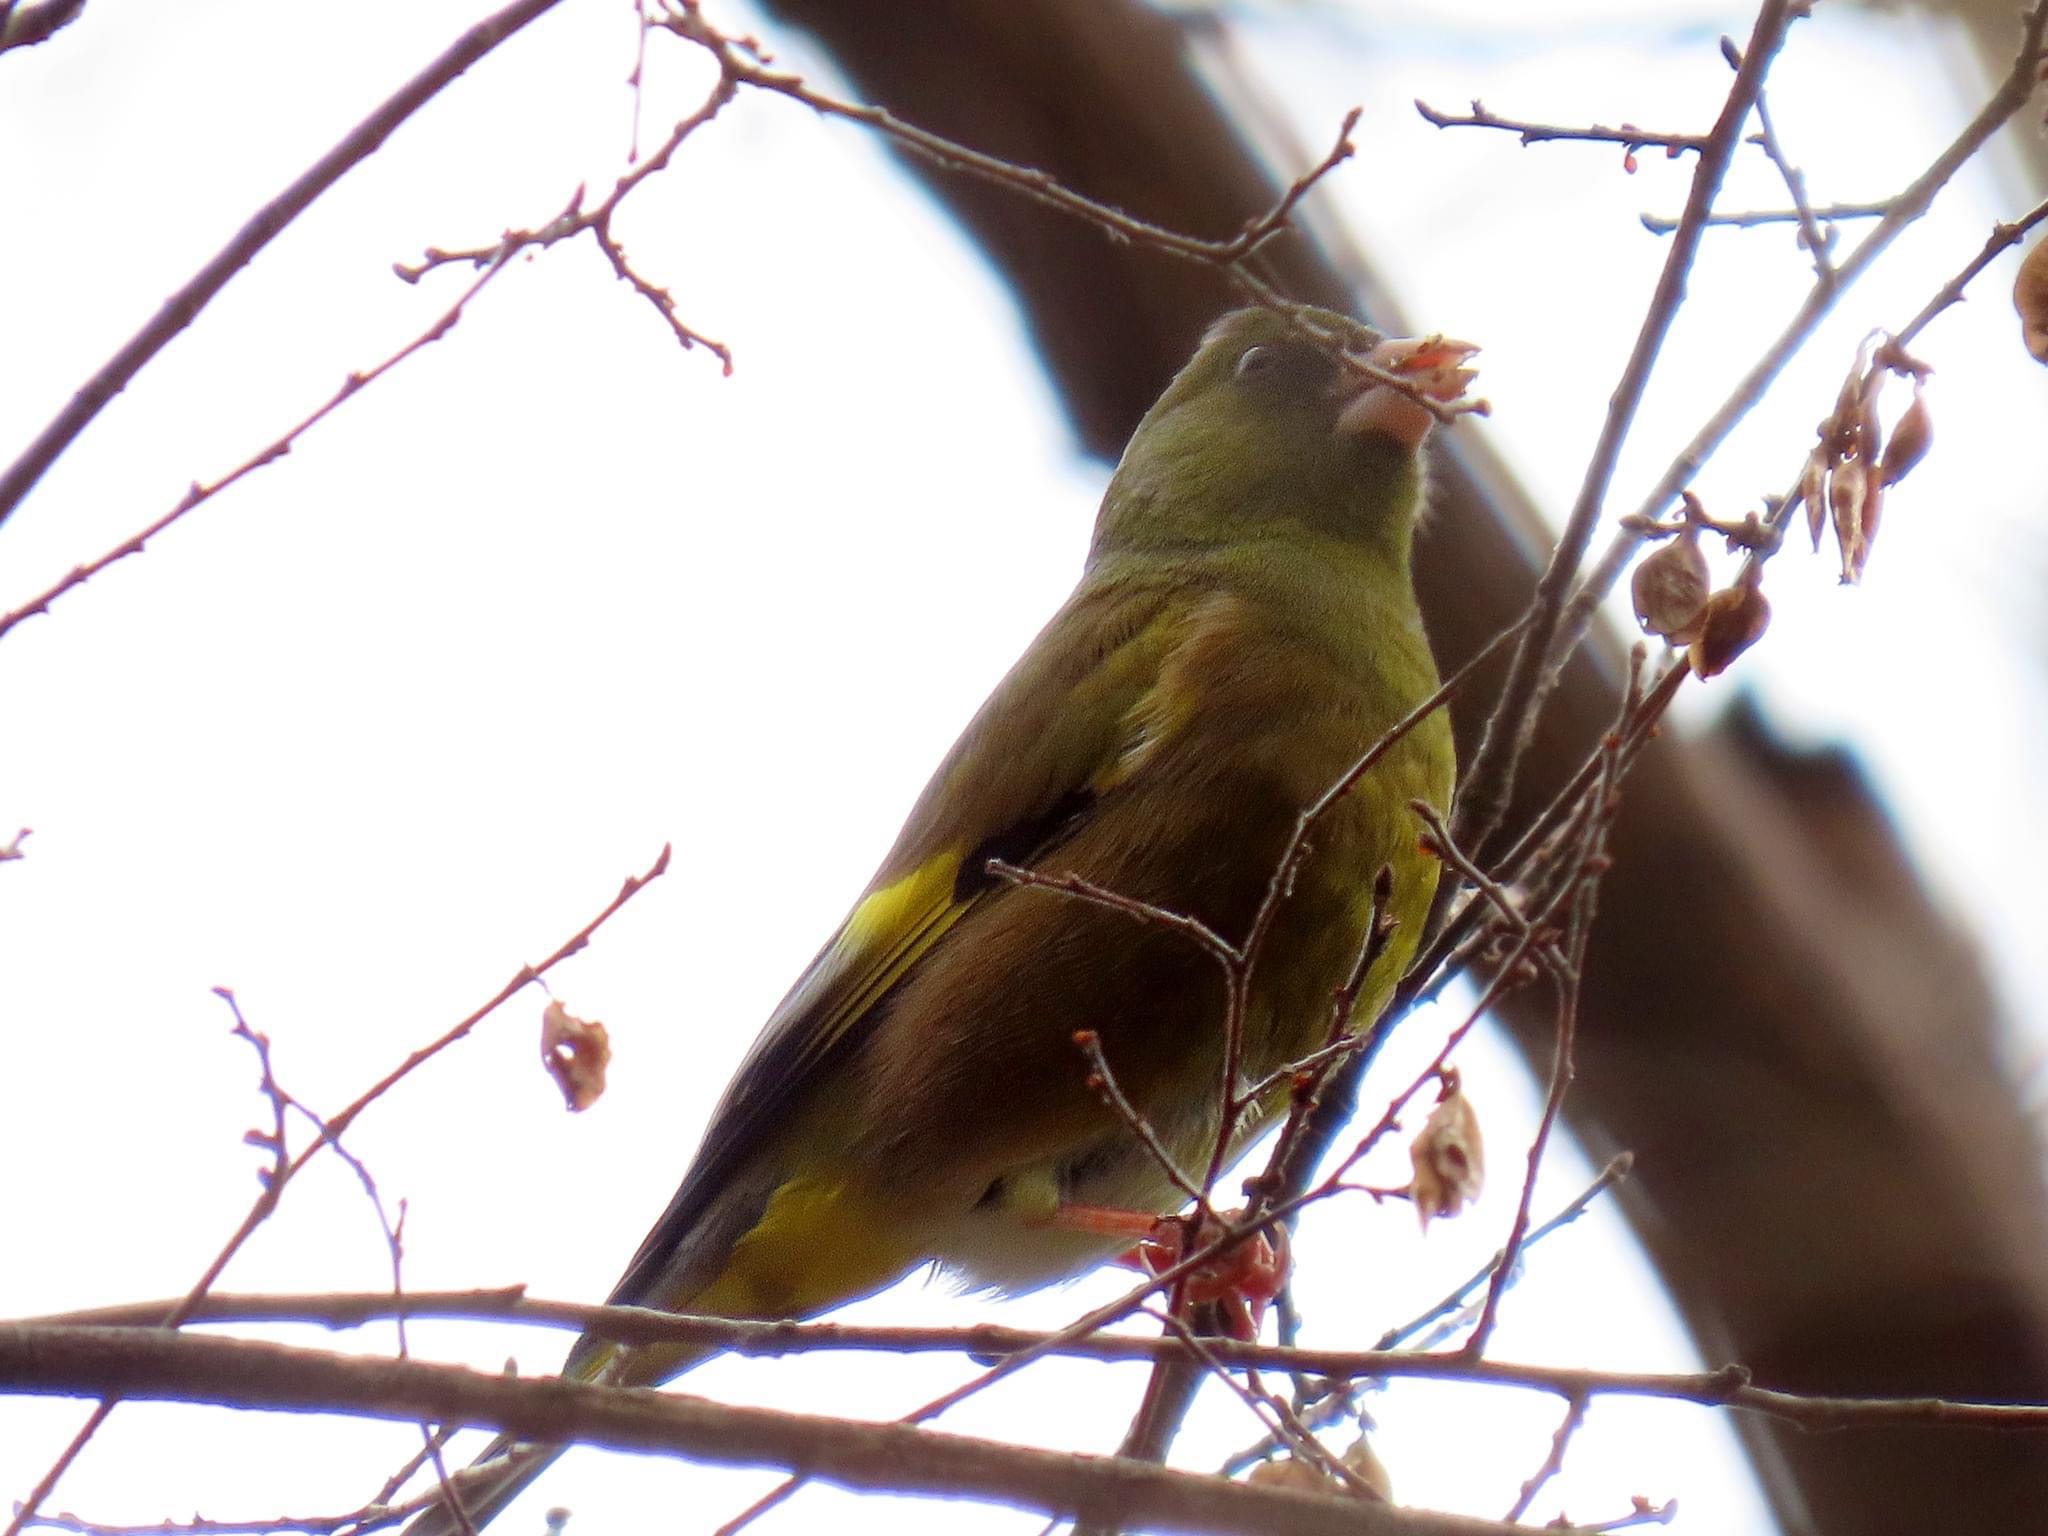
point(1436, 363)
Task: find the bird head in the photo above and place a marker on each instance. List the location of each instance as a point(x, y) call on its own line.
point(1275, 421)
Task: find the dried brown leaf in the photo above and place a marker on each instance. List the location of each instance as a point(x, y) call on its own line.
point(2030, 298)
point(1670, 587)
point(1735, 619)
point(1848, 495)
point(1813, 491)
point(1362, 1460)
point(575, 1052)
point(1911, 439)
point(1449, 1159)
point(1288, 1472)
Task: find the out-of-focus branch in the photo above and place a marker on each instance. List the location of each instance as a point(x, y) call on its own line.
point(24, 23)
point(183, 307)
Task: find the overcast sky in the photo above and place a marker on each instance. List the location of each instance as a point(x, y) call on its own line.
point(397, 715)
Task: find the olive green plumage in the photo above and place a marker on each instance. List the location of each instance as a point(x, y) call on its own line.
point(1244, 627)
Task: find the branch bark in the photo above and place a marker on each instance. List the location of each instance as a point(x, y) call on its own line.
point(891, 1458)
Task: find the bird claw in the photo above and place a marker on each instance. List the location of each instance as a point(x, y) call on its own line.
point(1241, 1281)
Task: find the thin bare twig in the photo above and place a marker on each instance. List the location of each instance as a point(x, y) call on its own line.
point(1103, 1080)
point(1617, 1169)
point(1279, 1419)
point(1901, 211)
point(740, 59)
point(1484, 796)
point(183, 307)
point(374, 1516)
point(1435, 1323)
point(1581, 884)
point(1766, 138)
point(2003, 238)
point(1553, 1463)
point(200, 493)
point(1645, 1512)
point(266, 1202)
point(431, 1439)
point(1826, 213)
point(1628, 135)
point(1225, 953)
point(596, 222)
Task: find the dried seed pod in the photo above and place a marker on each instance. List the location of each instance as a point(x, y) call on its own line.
point(1670, 587)
point(1873, 501)
point(1370, 1470)
point(1449, 1158)
point(575, 1052)
point(1813, 491)
point(1869, 429)
point(1911, 439)
point(1735, 619)
point(1848, 492)
point(2030, 298)
point(1839, 432)
point(1288, 1472)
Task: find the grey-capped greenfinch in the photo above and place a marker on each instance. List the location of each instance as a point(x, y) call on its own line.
point(1243, 629)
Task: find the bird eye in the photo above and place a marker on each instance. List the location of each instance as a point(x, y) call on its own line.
point(1256, 360)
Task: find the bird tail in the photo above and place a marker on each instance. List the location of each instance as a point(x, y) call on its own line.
point(508, 1464)
point(810, 1245)
point(487, 1486)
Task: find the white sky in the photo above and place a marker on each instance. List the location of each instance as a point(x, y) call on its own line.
point(398, 715)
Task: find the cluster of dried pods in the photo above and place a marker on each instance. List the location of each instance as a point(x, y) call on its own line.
point(1850, 468)
point(1673, 589)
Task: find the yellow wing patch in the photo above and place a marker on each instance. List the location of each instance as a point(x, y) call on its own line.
point(819, 1242)
point(882, 938)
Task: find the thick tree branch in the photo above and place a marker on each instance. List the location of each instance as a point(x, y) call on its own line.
point(890, 1458)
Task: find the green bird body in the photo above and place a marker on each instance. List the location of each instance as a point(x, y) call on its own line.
point(1244, 629)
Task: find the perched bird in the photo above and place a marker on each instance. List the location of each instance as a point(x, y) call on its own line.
point(1244, 628)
